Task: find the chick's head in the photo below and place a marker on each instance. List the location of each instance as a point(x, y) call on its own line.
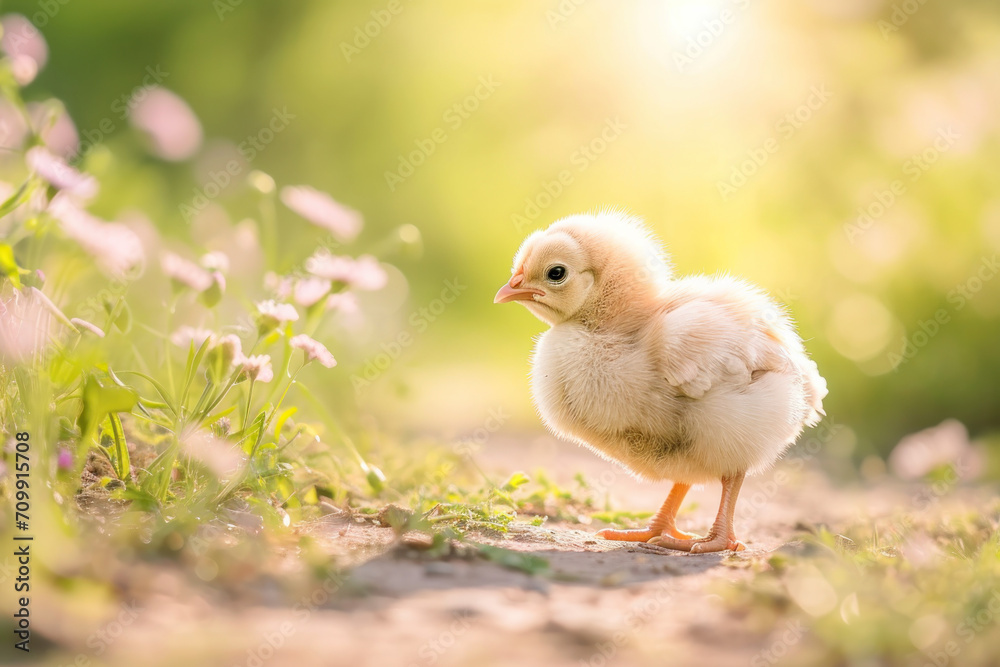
point(586, 267)
point(552, 277)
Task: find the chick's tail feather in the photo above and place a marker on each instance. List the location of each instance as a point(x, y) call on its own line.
point(815, 390)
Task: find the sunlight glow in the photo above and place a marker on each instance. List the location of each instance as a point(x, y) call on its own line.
point(685, 19)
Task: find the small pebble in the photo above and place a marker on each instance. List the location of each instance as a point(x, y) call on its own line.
point(419, 540)
point(613, 579)
point(440, 569)
point(536, 584)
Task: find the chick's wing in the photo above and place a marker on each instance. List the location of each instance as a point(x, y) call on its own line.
point(727, 333)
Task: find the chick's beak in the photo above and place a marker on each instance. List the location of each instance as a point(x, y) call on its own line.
point(513, 291)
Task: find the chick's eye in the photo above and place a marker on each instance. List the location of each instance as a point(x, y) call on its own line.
point(556, 274)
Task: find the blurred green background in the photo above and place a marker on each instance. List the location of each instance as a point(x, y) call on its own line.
point(749, 135)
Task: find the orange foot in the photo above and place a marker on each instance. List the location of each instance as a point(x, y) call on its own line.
point(643, 534)
point(704, 545)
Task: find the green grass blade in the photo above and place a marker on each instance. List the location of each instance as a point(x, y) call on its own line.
point(160, 389)
point(123, 466)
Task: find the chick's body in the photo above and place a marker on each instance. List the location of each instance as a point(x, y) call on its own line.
point(713, 383)
point(689, 379)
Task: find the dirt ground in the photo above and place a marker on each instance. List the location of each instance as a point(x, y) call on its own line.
point(601, 603)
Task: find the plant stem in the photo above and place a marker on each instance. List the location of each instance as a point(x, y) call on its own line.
point(246, 415)
point(229, 385)
point(171, 310)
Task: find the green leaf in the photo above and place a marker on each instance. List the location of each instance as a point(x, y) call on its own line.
point(251, 435)
point(282, 418)
point(160, 389)
point(142, 404)
point(8, 265)
point(374, 476)
point(265, 458)
point(516, 481)
point(620, 518)
point(157, 482)
point(376, 480)
point(120, 313)
point(216, 416)
point(193, 362)
point(504, 497)
point(514, 560)
point(19, 197)
point(99, 401)
point(121, 460)
point(144, 414)
point(141, 500)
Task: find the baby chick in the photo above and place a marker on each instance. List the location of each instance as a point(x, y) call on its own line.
point(689, 379)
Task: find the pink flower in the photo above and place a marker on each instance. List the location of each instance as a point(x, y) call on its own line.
point(331, 267)
point(258, 368)
point(24, 69)
point(920, 453)
point(271, 315)
point(217, 454)
point(315, 350)
point(344, 302)
point(60, 175)
point(185, 273)
point(89, 326)
point(368, 274)
point(309, 291)
point(13, 127)
point(51, 122)
point(322, 210)
point(168, 121)
point(187, 336)
point(115, 247)
point(224, 353)
point(64, 460)
point(24, 327)
point(364, 273)
point(215, 261)
point(21, 40)
point(217, 264)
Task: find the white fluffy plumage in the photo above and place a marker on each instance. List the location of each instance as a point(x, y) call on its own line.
point(688, 379)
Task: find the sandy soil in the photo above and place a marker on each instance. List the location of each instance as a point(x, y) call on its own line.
point(601, 603)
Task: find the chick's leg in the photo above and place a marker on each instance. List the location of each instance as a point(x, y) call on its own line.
point(721, 537)
point(661, 524)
